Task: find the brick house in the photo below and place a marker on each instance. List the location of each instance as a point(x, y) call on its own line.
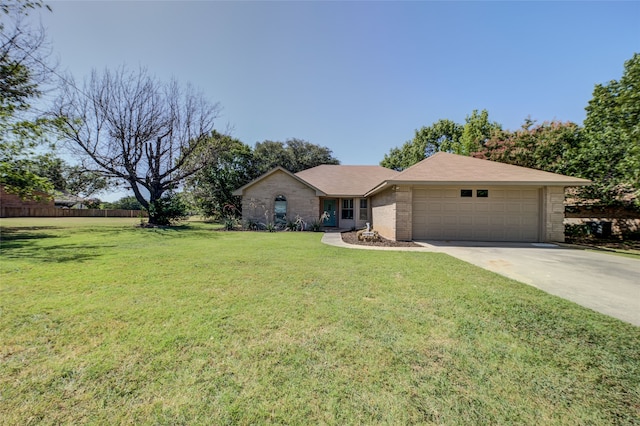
point(444, 197)
point(12, 205)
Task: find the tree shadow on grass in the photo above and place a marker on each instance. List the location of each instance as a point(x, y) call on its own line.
point(182, 230)
point(15, 244)
point(15, 237)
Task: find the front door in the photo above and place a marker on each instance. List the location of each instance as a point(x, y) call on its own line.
point(329, 207)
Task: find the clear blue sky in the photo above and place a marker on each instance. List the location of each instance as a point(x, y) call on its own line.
point(359, 77)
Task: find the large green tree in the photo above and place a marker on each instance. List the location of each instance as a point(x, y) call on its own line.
point(210, 189)
point(74, 180)
point(549, 146)
point(23, 70)
point(443, 135)
point(294, 155)
point(610, 153)
point(476, 132)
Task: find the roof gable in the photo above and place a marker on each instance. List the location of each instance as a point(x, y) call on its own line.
point(240, 191)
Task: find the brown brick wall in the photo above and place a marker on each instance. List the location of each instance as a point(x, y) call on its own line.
point(404, 224)
point(12, 200)
point(258, 199)
point(383, 212)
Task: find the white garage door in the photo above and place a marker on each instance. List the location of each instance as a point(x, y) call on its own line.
point(499, 214)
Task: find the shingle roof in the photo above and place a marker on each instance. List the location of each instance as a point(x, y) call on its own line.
point(337, 180)
point(443, 167)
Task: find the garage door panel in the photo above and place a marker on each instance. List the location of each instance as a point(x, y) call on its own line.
point(450, 220)
point(512, 221)
point(450, 207)
point(434, 220)
point(465, 207)
point(481, 221)
point(465, 220)
point(496, 221)
point(505, 215)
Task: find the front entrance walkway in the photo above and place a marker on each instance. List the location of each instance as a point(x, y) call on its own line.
point(604, 282)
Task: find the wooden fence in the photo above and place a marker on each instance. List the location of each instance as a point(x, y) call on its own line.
point(57, 212)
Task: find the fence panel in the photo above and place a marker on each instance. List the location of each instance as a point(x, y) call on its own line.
point(56, 212)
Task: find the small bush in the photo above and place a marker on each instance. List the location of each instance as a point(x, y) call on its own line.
point(631, 235)
point(252, 225)
point(230, 222)
point(167, 210)
point(315, 226)
point(577, 231)
point(295, 225)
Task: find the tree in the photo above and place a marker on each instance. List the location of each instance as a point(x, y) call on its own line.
point(73, 180)
point(549, 146)
point(131, 127)
point(610, 154)
point(294, 155)
point(476, 132)
point(23, 70)
point(125, 203)
point(210, 189)
point(443, 135)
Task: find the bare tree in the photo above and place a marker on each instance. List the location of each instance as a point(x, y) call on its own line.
point(132, 127)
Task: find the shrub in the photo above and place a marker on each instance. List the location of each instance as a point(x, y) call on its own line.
point(316, 226)
point(295, 225)
point(230, 222)
point(168, 209)
point(252, 225)
point(577, 231)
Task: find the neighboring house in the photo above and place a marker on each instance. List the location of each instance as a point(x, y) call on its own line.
point(69, 201)
point(10, 200)
point(444, 197)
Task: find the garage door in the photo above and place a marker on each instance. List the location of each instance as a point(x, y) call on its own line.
point(476, 214)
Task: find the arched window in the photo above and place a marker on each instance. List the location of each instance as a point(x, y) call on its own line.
point(280, 210)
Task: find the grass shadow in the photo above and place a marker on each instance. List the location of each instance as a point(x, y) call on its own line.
point(15, 243)
point(183, 230)
point(16, 237)
point(59, 253)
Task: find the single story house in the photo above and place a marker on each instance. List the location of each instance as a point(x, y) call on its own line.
point(444, 197)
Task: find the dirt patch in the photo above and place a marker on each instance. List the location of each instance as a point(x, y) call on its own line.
point(352, 238)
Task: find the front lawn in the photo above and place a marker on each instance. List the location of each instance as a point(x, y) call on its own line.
point(103, 322)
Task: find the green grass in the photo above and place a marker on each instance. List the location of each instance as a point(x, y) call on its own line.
point(102, 322)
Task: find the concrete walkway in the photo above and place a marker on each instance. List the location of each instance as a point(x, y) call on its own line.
point(604, 282)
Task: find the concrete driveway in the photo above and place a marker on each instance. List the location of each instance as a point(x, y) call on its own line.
point(604, 282)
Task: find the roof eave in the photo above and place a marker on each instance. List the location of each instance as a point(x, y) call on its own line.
point(378, 188)
point(487, 183)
